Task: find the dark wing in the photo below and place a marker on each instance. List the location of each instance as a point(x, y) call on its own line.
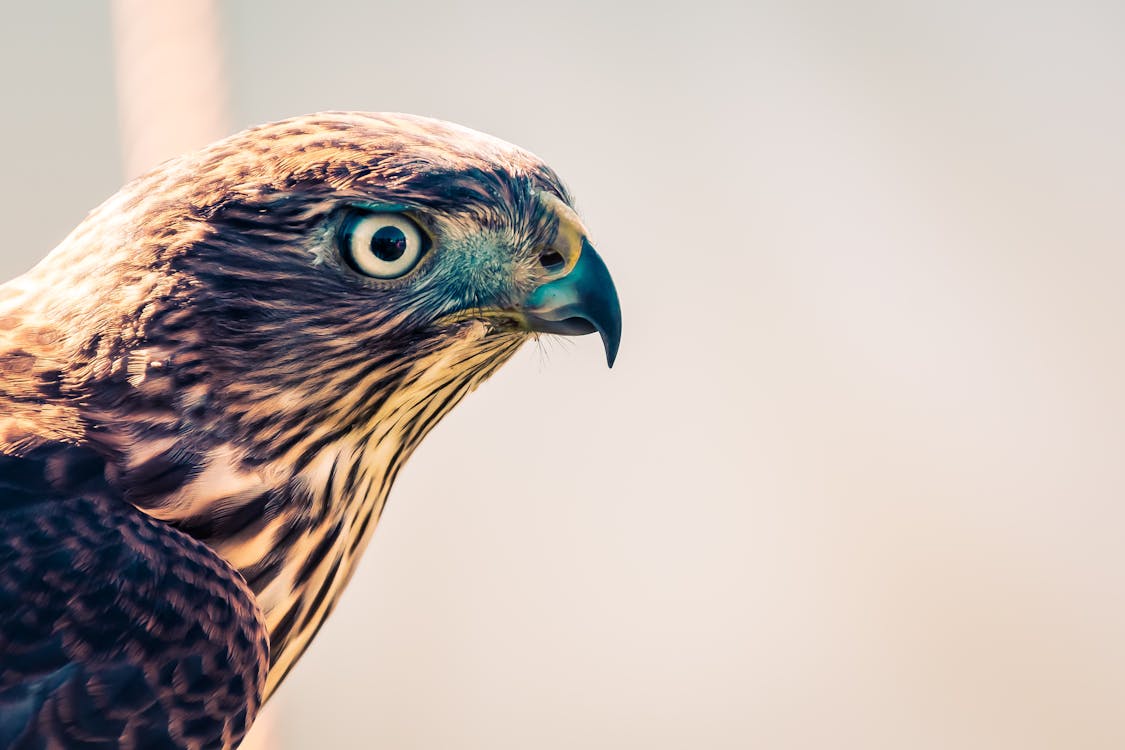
point(116, 630)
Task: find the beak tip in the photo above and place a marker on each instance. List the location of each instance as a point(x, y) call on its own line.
point(611, 342)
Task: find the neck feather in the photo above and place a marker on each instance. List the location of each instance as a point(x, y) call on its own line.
point(295, 525)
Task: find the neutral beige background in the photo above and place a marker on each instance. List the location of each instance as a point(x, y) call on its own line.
point(857, 480)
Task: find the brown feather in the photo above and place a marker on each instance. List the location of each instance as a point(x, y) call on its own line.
point(200, 332)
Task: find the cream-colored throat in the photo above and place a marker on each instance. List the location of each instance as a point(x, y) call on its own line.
point(300, 555)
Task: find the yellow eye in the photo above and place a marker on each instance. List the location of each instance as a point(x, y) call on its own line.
point(382, 245)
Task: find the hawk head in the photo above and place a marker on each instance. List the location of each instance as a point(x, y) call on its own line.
point(257, 335)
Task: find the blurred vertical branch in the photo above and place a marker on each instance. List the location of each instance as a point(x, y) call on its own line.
point(171, 92)
point(171, 98)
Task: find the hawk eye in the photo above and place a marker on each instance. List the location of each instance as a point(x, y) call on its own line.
point(381, 245)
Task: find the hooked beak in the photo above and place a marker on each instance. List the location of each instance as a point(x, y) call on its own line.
point(581, 302)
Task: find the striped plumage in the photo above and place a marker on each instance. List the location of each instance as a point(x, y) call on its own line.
point(202, 338)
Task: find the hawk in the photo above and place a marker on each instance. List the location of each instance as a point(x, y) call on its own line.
point(207, 390)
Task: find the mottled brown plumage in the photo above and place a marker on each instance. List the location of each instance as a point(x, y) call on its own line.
point(204, 347)
point(116, 630)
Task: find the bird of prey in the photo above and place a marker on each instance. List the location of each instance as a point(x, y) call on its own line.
point(207, 390)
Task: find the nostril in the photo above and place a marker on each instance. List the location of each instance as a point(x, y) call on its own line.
point(551, 260)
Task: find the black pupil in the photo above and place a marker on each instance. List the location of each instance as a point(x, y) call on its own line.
point(388, 244)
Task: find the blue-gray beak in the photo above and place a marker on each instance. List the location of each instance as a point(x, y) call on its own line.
point(581, 302)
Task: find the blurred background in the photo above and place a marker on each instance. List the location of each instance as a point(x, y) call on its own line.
point(858, 477)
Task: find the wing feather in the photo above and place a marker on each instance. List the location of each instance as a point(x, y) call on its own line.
point(116, 630)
